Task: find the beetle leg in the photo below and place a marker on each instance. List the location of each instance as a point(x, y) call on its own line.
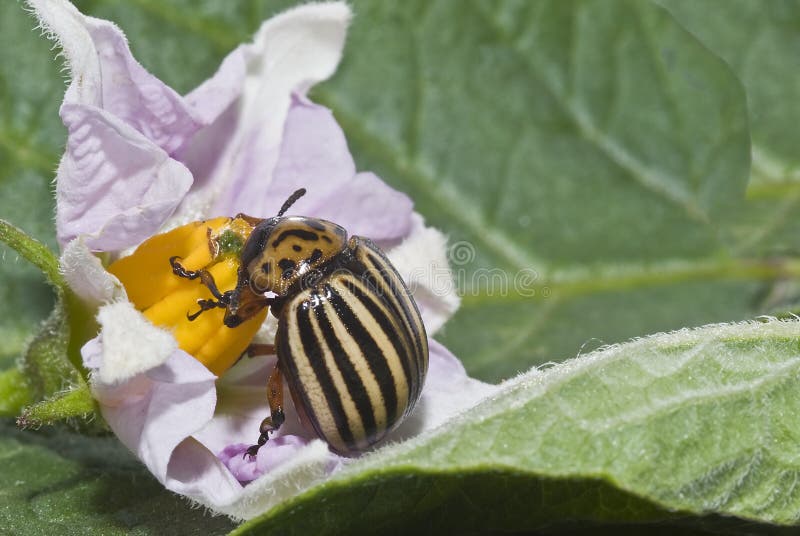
point(213, 245)
point(252, 220)
point(180, 271)
point(260, 349)
point(204, 275)
point(276, 417)
point(257, 349)
point(222, 299)
point(205, 305)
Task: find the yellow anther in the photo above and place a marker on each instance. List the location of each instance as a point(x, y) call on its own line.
point(165, 299)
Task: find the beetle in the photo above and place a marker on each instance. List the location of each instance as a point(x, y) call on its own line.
point(350, 341)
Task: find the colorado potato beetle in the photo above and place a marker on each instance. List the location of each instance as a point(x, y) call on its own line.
point(350, 341)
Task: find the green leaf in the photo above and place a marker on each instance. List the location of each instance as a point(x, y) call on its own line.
point(690, 422)
point(57, 482)
point(760, 42)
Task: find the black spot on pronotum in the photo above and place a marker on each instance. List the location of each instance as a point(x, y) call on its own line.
point(287, 266)
point(266, 267)
point(297, 248)
point(302, 234)
point(327, 239)
point(315, 256)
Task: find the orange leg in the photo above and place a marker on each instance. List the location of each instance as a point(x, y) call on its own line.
point(260, 349)
point(257, 349)
point(276, 417)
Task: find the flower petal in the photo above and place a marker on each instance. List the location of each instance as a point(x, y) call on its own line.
point(155, 414)
point(243, 405)
point(421, 259)
point(114, 185)
point(308, 465)
point(117, 182)
point(106, 75)
point(290, 53)
point(275, 453)
point(314, 155)
point(208, 100)
point(131, 344)
point(87, 277)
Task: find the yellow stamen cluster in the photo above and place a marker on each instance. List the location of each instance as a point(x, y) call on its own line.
point(165, 299)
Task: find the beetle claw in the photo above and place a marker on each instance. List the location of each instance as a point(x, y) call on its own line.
point(251, 451)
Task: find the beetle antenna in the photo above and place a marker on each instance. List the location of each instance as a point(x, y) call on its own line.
point(292, 198)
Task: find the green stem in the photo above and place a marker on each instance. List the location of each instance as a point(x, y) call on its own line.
point(35, 252)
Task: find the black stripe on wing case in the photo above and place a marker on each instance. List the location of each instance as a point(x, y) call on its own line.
point(371, 351)
point(390, 331)
point(311, 348)
point(355, 385)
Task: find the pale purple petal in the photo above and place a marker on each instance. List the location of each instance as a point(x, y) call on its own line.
point(243, 467)
point(272, 455)
point(87, 277)
point(196, 472)
point(243, 405)
point(92, 353)
point(314, 155)
point(369, 207)
point(215, 103)
point(106, 75)
point(117, 182)
point(290, 53)
point(421, 259)
point(155, 415)
point(208, 100)
point(133, 95)
point(174, 400)
point(241, 408)
point(114, 185)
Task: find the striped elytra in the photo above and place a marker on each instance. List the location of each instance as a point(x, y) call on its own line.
point(350, 343)
point(353, 349)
